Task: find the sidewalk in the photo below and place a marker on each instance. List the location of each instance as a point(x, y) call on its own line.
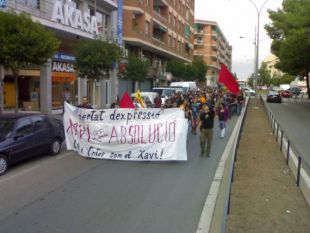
point(264, 195)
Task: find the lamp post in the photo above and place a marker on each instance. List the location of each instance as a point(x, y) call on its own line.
point(257, 42)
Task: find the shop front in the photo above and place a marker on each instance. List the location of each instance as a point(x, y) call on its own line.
point(64, 81)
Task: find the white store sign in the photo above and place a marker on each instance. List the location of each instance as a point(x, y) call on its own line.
point(70, 16)
point(127, 134)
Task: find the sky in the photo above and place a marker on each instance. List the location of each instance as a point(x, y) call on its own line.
point(238, 18)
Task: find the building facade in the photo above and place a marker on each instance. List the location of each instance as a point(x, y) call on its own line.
point(157, 30)
point(211, 45)
point(45, 88)
point(271, 62)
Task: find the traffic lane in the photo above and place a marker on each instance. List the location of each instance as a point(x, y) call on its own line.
point(28, 181)
point(293, 118)
point(118, 196)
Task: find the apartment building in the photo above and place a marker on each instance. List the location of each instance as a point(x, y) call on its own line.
point(158, 30)
point(44, 88)
point(211, 45)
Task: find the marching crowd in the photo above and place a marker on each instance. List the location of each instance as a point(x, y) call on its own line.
point(200, 108)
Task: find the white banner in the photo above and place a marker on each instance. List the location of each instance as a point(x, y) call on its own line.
point(126, 134)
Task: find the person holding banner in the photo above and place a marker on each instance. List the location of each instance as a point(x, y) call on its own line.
point(85, 103)
point(205, 123)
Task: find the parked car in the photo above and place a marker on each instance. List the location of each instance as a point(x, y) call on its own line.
point(25, 135)
point(248, 91)
point(274, 96)
point(286, 94)
point(295, 91)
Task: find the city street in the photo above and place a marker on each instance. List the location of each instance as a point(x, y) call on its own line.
point(293, 117)
point(68, 193)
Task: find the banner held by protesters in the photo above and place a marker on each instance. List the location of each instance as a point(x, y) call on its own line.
point(127, 134)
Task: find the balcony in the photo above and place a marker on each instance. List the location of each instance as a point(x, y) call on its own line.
point(198, 42)
point(160, 3)
point(198, 32)
point(110, 5)
point(198, 53)
point(214, 46)
point(214, 36)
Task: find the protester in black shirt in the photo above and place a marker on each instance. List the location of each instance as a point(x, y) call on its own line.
point(206, 122)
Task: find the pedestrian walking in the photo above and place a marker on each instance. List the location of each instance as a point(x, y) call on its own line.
point(157, 102)
point(195, 107)
point(223, 114)
point(240, 103)
point(206, 122)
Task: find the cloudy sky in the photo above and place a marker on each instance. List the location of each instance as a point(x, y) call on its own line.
point(239, 18)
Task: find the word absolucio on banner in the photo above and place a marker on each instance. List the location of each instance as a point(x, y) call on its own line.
point(126, 134)
point(98, 115)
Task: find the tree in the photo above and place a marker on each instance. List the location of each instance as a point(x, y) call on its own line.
point(290, 33)
point(136, 69)
point(24, 42)
point(176, 68)
point(251, 80)
point(201, 70)
point(95, 58)
point(264, 75)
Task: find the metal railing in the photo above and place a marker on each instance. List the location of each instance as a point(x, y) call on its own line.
point(283, 139)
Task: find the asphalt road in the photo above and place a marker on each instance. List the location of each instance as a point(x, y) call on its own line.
point(294, 117)
point(68, 193)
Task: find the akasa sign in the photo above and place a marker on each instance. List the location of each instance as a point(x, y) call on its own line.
point(70, 16)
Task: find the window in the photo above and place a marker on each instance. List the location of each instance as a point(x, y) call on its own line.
point(174, 21)
point(40, 123)
point(173, 43)
point(30, 3)
point(24, 127)
point(146, 28)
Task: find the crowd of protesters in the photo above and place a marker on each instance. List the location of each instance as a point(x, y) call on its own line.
point(200, 108)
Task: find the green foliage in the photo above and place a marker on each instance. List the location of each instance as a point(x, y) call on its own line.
point(251, 81)
point(201, 70)
point(264, 75)
point(290, 32)
point(23, 41)
point(136, 69)
point(190, 72)
point(95, 58)
point(176, 68)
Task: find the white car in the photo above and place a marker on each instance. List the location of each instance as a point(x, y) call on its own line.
point(248, 91)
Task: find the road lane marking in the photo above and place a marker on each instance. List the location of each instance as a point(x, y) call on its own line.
point(19, 173)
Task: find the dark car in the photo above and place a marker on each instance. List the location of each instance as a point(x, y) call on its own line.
point(286, 94)
point(25, 135)
point(295, 91)
point(274, 97)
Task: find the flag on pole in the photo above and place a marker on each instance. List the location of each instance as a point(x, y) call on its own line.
point(226, 78)
point(139, 98)
point(126, 101)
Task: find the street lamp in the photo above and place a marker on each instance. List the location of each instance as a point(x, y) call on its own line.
point(257, 42)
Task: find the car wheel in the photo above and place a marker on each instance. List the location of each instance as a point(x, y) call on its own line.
point(3, 164)
point(55, 147)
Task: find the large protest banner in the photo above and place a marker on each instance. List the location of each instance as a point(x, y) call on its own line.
point(126, 134)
